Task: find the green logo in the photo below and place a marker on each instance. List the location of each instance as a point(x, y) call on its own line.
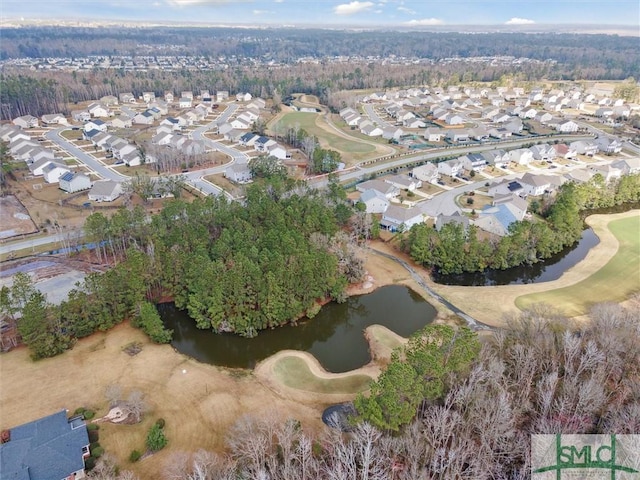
point(585, 456)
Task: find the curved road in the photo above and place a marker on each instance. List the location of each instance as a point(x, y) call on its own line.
point(373, 115)
point(472, 322)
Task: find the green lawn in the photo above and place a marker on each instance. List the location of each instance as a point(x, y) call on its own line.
point(618, 279)
point(307, 121)
point(294, 373)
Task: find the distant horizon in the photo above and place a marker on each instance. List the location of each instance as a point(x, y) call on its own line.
point(343, 14)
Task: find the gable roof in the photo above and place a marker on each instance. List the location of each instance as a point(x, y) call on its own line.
point(49, 448)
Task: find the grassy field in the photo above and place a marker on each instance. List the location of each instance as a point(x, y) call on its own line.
point(308, 122)
point(294, 372)
point(613, 283)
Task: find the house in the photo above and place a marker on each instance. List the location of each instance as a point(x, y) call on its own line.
point(458, 135)
point(404, 182)
point(456, 217)
point(144, 118)
point(172, 122)
point(148, 97)
point(261, 144)
point(127, 98)
point(584, 147)
point(504, 187)
point(567, 126)
point(238, 173)
point(53, 171)
point(388, 190)
point(392, 133)
point(374, 201)
point(97, 110)
point(54, 119)
point(453, 119)
point(628, 166)
point(258, 103)
point(371, 130)
point(496, 219)
point(234, 135)
point(105, 191)
point(80, 115)
point(543, 152)
point(451, 167)
point(160, 105)
point(414, 123)
point(168, 97)
point(121, 121)
point(74, 182)
point(132, 158)
point(528, 113)
point(248, 139)
point(39, 153)
point(96, 124)
point(479, 133)
point(427, 173)
point(500, 133)
point(352, 119)
point(187, 94)
point(498, 158)
point(434, 134)
point(517, 205)
point(243, 97)
point(608, 145)
point(514, 125)
point(37, 168)
point(185, 102)
point(397, 218)
point(535, 184)
point(222, 95)
point(52, 447)
point(521, 156)
point(543, 117)
point(564, 151)
point(26, 121)
point(473, 162)
point(193, 147)
point(240, 123)
point(581, 175)
point(109, 100)
point(278, 151)
point(8, 133)
point(162, 139)
point(608, 172)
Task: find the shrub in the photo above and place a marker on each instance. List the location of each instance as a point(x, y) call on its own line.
point(469, 201)
point(89, 414)
point(97, 452)
point(160, 422)
point(79, 411)
point(89, 463)
point(93, 435)
point(93, 426)
point(156, 439)
point(134, 456)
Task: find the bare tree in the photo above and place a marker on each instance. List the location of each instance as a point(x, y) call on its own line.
point(136, 404)
point(113, 394)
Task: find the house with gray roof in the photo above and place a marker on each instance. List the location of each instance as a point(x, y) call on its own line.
point(49, 448)
point(456, 217)
point(397, 218)
point(238, 173)
point(105, 191)
point(388, 190)
point(72, 182)
point(496, 219)
point(374, 201)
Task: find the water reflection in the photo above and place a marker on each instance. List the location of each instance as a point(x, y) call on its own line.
point(546, 271)
point(335, 336)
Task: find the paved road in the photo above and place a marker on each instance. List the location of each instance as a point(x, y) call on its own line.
point(89, 160)
point(472, 322)
point(373, 115)
point(11, 246)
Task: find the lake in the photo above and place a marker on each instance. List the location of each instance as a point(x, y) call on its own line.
point(335, 336)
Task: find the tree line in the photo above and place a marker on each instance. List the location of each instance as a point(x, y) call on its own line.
point(235, 267)
point(455, 249)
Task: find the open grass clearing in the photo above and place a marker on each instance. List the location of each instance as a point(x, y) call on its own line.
point(614, 282)
point(308, 121)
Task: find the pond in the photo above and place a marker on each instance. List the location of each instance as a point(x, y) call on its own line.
point(544, 271)
point(335, 336)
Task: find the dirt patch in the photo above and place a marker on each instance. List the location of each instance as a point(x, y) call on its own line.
point(14, 218)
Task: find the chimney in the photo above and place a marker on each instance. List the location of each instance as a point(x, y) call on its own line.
point(5, 436)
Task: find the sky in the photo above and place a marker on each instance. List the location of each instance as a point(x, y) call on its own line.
point(407, 13)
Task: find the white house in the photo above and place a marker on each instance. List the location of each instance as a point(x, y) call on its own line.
point(451, 168)
point(434, 134)
point(238, 173)
point(388, 190)
point(567, 126)
point(584, 147)
point(473, 162)
point(374, 201)
point(105, 191)
point(185, 102)
point(521, 156)
point(371, 130)
point(243, 97)
point(427, 173)
point(96, 124)
point(404, 182)
point(54, 119)
point(53, 171)
point(26, 121)
point(97, 110)
point(608, 145)
point(505, 187)
point(535, 184)
point(144, 118)
point(458, 135)
point(398, 218)
point(72, 182)
point(497, 157)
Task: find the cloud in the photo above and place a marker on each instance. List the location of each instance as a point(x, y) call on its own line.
point(351, 8)
point(262, 12)
point(406, 10)
point(519, 21)
point(424, 21)
point(278, 1)
point(182, 3)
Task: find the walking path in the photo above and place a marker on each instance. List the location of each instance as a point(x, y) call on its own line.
point(472, 322)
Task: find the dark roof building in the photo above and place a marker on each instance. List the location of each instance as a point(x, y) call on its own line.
point(50, 448)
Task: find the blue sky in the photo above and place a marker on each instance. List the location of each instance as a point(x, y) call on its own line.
point(337, 13)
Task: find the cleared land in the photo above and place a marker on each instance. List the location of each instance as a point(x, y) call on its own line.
point(614, 282)
point(14, 218)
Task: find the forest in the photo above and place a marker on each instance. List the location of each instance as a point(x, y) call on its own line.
point(558, 224)
point(235, 267)
point(265, 62)
point(451, 405)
